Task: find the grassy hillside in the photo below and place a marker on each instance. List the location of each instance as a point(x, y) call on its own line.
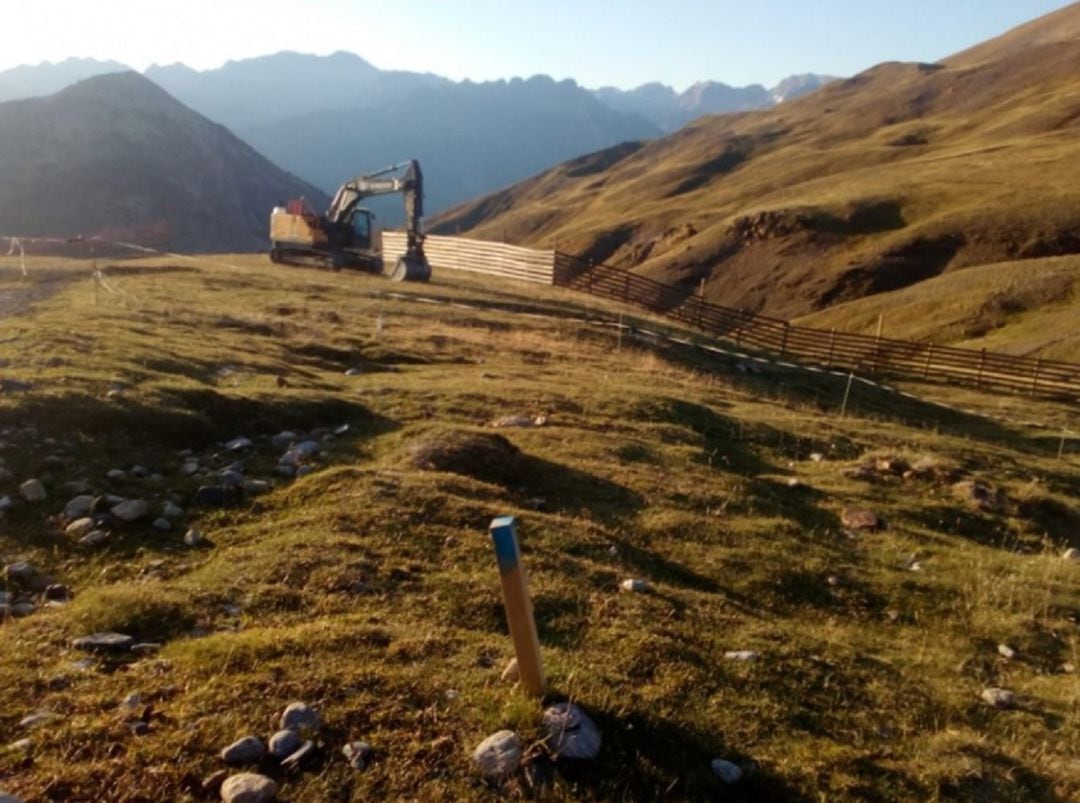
point(368, 587)
point(874, 183)
point(1030, 307)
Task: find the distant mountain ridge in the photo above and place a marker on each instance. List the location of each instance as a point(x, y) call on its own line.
point(43, 79)
point(117, 152)
point(671, 110)
point(327, 118)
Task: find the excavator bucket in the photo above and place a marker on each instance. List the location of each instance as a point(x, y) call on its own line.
point(410, 268)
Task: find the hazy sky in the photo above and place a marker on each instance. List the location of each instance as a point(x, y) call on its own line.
point(597, 42)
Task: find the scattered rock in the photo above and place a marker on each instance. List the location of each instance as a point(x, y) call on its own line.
point(33, 491)
point(358, 754)
point(1072, 553)
point(861, 519)
point(980, 496)
point(353, 372)
point(513, 421)
point(248, 750)
point(189, 467)
point(78, 507)
point(21, 609)
point(742, 655)
point(6, 504)
point(284, 743)
point(635, 586)
point(130, 510)
point(171, 510)
point(193, 538)
point(256, 487)
point(294, 760)
point(230, 478)
point(238, 444)
point(40, 718)
point(284, 439)
point(116, 475)
point(94, 538)
point(20, 573)
point(498, 756)
point(139, 727)
point(211, 784)
point(139, 471)
point(79, 527)
point(104, 643)
point(1006, 652)
point(217, 496)
point(248, 787)
point(162, 524)
point(815, 457)
point(511, 674)
point(146, 648)
point(300, 717)
point(998, 698)
point(726, 771)
point(57, 592)
point(569, 733)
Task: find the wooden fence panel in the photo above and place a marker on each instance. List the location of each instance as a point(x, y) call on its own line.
point(496, 259)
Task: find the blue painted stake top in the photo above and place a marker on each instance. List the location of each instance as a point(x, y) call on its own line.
point(504, 534)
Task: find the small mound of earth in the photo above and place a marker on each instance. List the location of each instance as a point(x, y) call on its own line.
point(482, 456)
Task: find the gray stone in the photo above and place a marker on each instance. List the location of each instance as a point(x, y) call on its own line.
point(81, 487)
point(745, 656)
point(78, 507)
point(998, 698)
point(146, 648)
point(284, 743)
point(20, 573)
point(116, 475)
point(189, 467)
point(498, 756)
point(58, 593)
point(79, 527)
point(1072, 553)
point(358, 754)
point(33, 491)
point(248, 787)
point(139, 471)
point(211, 784)
point(94, 538)
point(726, 771)
point(104, 642)
point(171, 510)
point(256, 487)
point(1006, 652)
point(248, 750)
point(21, 609)
point(217, 495)
point(285, 470)
point(303, 471)
point(6, 503)
point(130, 510)
point(193, 538)
point(860, 519)
point(238, 444)
point(300, 717)
point(634, 586)
point(162, 524)
point(297, 757)
point(283, 439)
point(570, 733)
point(40, 718)
point(231, 478)
point(308, 448)
point(353, 372)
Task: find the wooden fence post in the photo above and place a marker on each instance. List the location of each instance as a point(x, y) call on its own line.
point(1035, 378)
point(626, 287)
point(877, 342)
point(926, 367)
point(519, 612)
point(783, 343)
point(982, 362)
point(832, 346)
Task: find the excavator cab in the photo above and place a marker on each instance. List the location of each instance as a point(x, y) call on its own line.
point(363, 228)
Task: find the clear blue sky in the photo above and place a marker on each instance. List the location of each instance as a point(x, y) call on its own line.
point(597, 42)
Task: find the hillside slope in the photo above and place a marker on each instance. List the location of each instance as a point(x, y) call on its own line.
point(116, 153)
point(874, 183)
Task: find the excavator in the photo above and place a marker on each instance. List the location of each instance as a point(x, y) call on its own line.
point(346, 235)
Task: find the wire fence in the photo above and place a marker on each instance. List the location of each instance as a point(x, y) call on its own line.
point(830, 349)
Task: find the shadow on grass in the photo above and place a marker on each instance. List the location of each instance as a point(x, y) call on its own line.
point(1002, 778)
point(573, 492)
point(662, 761)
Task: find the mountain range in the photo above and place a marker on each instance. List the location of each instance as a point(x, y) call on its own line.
point(327, 118)
point(117, 153)
point(873, 183)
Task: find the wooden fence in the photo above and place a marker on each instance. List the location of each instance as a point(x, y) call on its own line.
point(831, 349)
point(496, 259)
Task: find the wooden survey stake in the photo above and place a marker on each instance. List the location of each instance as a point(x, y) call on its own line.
point(519, 612)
